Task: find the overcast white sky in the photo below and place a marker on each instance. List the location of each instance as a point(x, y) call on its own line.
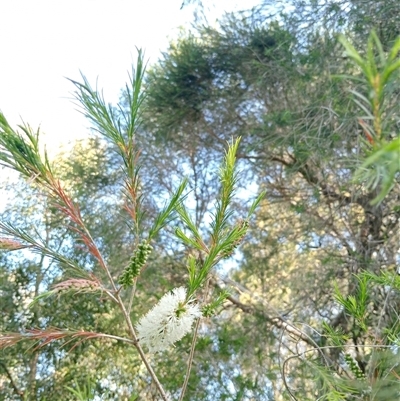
point(44, 41)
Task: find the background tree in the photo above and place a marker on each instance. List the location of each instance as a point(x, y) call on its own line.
point(312, 310)
point(273, 77)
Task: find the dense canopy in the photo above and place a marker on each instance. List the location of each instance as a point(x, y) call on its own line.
point(299, 290)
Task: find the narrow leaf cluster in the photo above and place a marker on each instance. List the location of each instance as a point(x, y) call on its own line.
point(211, 309)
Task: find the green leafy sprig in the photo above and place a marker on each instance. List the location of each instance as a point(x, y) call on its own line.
point(119, 125)
point(380, 73)
point(224, 237)
point(21, 152)
point(356, 305)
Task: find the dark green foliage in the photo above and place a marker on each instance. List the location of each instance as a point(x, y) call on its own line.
point(183, 81)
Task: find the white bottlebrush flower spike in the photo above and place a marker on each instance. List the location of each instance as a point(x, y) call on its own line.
point(168, 321)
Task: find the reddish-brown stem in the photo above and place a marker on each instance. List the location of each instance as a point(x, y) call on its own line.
point(68, 207)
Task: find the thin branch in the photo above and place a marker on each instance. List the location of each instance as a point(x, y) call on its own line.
point(139, 348)
point(193, 347)
point(320, 350)
point(278, 321)
point(190, 360)
point(74, 213)
point(12, 382)
point(131, 297)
